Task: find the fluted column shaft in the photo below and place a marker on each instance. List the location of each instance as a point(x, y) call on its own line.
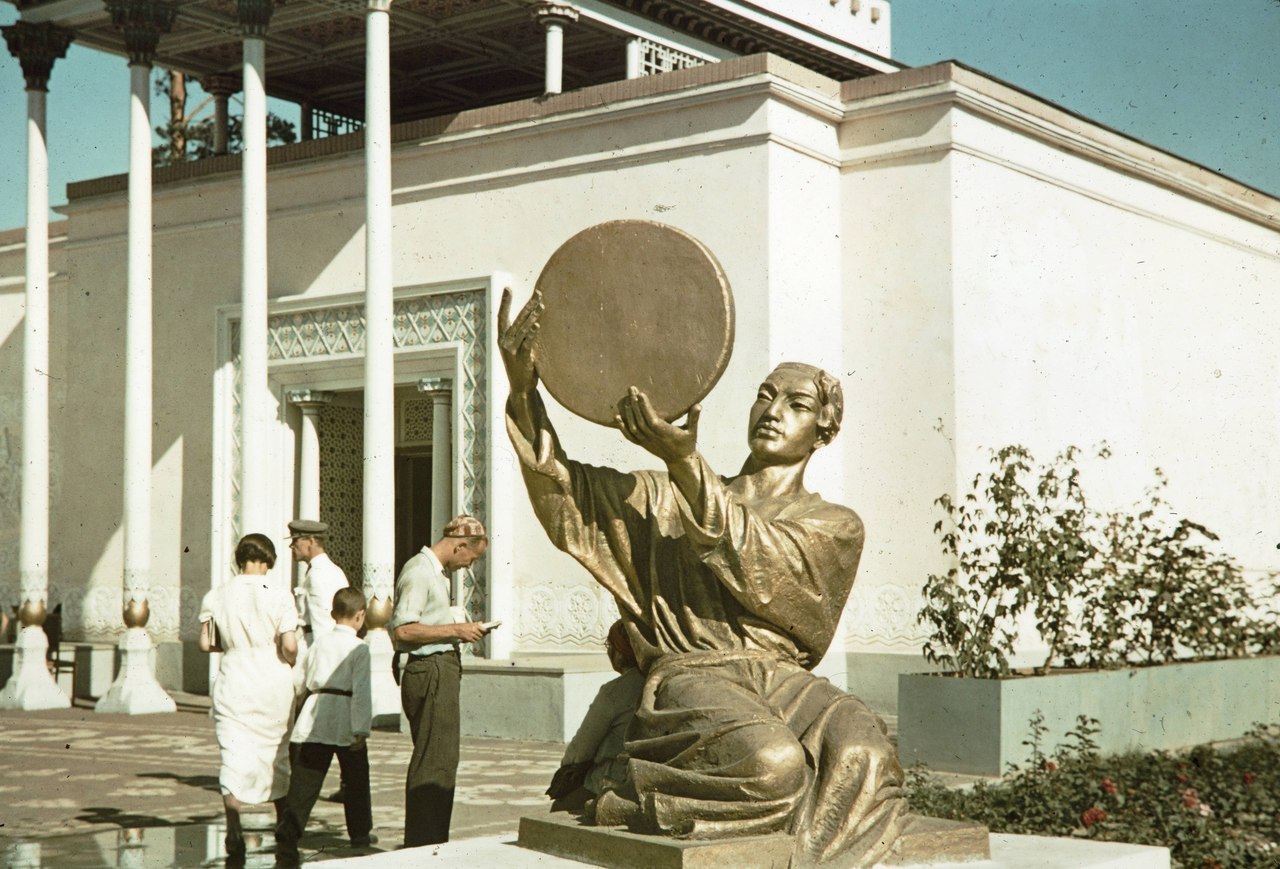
point(221, 86)
point(635, 57)
point(553, 17)
point(137, 369)
point(379, 371)
point(30, 686)
point(255, 408)
point(135, 690)
point(440, 391)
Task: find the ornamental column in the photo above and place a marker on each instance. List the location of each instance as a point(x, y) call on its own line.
point(36, 46)
point(553, 17)
point(440, 391)
point(311, 402)
point(135, 690)
point(635, 58)
point(257, 411)
point(379, 365)
point(221, 86)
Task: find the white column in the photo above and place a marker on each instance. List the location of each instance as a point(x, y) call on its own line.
point(440, 391)
point(256, 411)
point(31, 686)
point(379, 365)
point(635, 57)
point(221, 86)
point(553, 16)
point(310, 402)
point(135, 690)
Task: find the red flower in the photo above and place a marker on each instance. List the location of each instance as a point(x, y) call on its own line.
point(1248, 778)
point(1050, 766)
point(1190, 798)
point(1109, 787)
point(1092, 816)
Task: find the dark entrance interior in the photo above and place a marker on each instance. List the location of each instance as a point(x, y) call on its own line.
point(413, 503)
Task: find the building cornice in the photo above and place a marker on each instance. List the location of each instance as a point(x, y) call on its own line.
point(953, 84)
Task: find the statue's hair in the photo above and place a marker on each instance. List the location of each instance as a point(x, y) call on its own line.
point(830, 398)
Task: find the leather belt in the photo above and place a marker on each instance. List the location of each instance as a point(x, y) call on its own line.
point(337, 691)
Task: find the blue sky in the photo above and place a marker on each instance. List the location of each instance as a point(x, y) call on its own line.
point(1197, 79)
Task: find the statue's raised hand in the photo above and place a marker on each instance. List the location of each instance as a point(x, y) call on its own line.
point(667, 441)
point(515, 342)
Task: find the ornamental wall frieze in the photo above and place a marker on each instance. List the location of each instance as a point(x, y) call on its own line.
point(564, 617)
point(883, 615)
point(93, 615)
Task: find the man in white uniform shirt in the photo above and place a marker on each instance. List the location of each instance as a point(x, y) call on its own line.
point(322, 580)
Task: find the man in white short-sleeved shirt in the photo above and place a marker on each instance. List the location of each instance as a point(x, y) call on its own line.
point(425, 628)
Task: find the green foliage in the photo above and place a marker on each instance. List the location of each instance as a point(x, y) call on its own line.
point(188, 137)
point(1104, 589)
point(1211, 808)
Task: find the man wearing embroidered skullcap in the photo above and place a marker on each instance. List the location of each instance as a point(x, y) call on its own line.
point(426, 628)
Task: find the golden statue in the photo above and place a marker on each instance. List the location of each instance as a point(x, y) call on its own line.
point(730, 590)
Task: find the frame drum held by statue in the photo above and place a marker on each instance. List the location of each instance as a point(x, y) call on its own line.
point(633, 303)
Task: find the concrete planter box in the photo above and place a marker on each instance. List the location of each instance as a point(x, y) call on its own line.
point(978, 726)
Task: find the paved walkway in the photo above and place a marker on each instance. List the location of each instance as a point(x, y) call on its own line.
point(75, 786)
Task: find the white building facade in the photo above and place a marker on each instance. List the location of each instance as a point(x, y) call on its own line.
point(979, 267)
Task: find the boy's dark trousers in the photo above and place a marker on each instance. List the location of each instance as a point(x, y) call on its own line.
point(310, 762)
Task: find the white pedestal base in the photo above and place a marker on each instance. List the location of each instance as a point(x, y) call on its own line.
point(386, 693)
point(31, 686)
point(135, 690)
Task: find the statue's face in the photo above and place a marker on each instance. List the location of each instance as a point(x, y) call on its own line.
point(783, 426)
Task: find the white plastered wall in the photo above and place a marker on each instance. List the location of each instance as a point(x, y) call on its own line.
point(1014, 275)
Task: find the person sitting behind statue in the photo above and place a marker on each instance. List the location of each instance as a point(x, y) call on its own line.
point(592, 761)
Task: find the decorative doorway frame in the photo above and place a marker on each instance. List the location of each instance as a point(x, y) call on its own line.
point(318, 342)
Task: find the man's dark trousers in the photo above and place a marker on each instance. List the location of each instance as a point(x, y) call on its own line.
point(309, 762)
point(429, 689)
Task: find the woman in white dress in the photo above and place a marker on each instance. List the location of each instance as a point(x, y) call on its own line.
point(252, 620)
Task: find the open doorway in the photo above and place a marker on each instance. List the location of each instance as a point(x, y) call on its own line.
point(413, 503)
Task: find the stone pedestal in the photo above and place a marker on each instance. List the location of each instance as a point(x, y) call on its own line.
point(923, 841)
point(31, 687)
point(385, 692)
point(135, 690)
point(618, 849)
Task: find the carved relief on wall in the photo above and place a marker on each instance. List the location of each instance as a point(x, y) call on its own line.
point(564, 617)
point(883, 615)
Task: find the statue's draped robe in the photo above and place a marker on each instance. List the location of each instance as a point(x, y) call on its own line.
point(727, 605)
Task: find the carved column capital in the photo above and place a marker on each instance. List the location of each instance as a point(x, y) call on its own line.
point(37, 46)
point(142, 22)
point(309, 399)
point(549, 12)
point(379, 5)
point(221, 84)
point(436, 388)
point(254, 16)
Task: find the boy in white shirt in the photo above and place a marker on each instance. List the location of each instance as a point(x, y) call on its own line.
point(335, 719)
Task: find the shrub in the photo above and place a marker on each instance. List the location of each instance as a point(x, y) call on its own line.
point(1210, 807)
point(1105, 589)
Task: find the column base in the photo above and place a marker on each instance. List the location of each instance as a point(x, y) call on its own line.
point(31, 686)
point(383, 687)
point(135, 690)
